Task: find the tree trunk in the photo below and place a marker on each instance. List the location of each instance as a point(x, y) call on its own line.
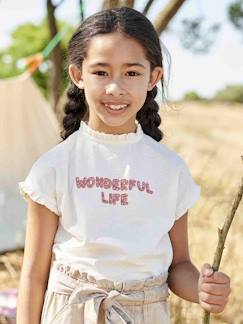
point(165, 16)
point(126, 3)
point(108, 4)
point(56, 58)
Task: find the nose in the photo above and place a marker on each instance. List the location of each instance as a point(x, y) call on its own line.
point(115, 89)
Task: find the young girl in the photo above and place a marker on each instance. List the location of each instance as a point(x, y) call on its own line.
point(107, 207)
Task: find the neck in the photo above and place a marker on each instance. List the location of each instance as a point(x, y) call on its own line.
point(110, 129)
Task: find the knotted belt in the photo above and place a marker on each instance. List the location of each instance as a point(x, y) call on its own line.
point(95, 298)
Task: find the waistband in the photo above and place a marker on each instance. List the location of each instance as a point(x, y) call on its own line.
point(72, 275)
point(109, 295)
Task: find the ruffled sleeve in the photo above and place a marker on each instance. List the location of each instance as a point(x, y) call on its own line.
point(40, 185)
point(188, 191)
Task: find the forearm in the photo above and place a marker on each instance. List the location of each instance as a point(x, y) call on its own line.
point(30, 301)
point(183, 281)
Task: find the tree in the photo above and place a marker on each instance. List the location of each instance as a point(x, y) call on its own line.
point(194, 36)
point(231, 93)
point(56, 57)
point(164, 16)
point(27, 40)
point(57, 54)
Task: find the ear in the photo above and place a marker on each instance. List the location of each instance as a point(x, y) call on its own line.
point(76, 76)
point(155, 76)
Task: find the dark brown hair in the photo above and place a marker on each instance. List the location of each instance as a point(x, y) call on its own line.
point(129, 22)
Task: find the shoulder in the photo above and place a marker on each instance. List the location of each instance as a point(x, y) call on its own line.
point(163, 152)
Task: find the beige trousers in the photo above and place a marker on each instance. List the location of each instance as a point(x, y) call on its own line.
point(74, 297)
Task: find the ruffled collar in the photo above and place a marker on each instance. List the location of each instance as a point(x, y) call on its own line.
point(101, 137)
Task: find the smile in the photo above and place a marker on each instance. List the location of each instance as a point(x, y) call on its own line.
point(115, 108)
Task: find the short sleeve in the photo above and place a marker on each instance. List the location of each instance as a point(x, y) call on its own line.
point(188, 191)
point(40, 185)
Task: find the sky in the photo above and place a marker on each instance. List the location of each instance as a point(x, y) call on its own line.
point(206, 74)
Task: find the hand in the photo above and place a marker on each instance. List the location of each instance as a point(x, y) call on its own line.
point(213, 289)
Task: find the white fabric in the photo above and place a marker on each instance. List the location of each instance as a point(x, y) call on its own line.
point(117, 197)
point(28, 128)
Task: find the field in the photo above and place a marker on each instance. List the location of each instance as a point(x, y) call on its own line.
point(210, 139)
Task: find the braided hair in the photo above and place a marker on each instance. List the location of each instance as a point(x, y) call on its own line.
point(129, 22)
point(75, 110)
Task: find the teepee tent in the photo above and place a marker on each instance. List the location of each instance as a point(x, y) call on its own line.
point(28, 128)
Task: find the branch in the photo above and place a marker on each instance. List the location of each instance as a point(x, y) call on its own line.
point(147, 7)
point(164, 17)
point(81, 7)
point(222, 233)
point(52, 4)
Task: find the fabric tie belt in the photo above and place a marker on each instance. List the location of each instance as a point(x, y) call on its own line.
point(95, 299)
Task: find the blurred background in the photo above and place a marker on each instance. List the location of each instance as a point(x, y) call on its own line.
point(201, 112)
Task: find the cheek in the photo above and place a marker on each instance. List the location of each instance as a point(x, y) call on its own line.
point(139, 86)
point(140, 91)
point(93, 89)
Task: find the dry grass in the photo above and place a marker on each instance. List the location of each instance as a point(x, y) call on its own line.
point(210, 139)
point(10, 266)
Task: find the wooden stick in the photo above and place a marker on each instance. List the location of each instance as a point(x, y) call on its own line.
point(222, 233)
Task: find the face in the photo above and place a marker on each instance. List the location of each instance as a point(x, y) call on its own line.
point(115, 76)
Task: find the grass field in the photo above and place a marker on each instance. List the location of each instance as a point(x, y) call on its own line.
point(210, 139)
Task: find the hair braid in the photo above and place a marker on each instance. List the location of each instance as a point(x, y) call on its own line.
point(148, 116)
point(75, 110)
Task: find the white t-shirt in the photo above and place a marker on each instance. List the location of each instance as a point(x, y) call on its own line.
point(117, 197)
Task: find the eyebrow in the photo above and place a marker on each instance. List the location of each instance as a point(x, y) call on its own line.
point(103, 64)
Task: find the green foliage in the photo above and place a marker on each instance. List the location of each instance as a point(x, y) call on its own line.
point(235, 13)
point(232, 93)
point(192, 95)
point(8, 66)
point(197, 37)
point(29, 39)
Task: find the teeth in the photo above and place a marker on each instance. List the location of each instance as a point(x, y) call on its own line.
point(115, 107)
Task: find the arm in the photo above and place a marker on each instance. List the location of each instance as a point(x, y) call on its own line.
point(40, 232)
point(183, 275)
point(210, 289)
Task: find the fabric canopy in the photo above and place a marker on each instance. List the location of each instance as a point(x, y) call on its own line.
point(28, 128)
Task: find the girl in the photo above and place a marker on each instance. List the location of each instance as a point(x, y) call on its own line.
point(107, 207)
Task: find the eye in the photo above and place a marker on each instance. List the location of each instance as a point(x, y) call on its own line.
point(99, 73)
point(133, 73)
